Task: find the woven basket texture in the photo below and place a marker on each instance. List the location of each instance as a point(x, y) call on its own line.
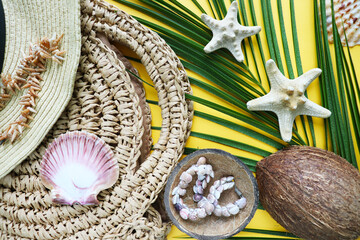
point(105, 103)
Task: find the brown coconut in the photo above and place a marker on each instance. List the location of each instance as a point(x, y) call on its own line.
point(313, 193)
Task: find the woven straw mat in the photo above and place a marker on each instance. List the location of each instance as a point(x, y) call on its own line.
point(105, 103)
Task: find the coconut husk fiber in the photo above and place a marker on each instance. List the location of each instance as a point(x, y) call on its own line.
point(105, 103)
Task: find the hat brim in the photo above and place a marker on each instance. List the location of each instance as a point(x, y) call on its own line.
point(28, 21)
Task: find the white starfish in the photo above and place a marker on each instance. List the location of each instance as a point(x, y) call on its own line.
point(286, 99)
point(228, 33)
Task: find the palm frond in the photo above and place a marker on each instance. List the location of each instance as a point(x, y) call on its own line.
point(232, 84)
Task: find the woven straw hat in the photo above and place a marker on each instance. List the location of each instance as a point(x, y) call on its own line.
point(28, 21)
point(106, 102)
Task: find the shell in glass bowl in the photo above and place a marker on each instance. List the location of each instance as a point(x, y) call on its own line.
point(76, 167)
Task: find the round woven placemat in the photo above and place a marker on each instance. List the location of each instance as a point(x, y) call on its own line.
point(105, 103)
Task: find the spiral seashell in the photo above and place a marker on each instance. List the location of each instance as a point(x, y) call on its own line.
point(347, 14)
point(76, 167)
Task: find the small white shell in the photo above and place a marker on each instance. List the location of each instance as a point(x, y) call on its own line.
point(176, 199)
point(217, 194)
point(209, 208)
point(181, 191)
point(201, 212)
point(76, 167)
point(183, 184)
point(233, 209)
point(184, 213)
point(201, 161)
point(241, 203)
point(204, 184)
point(193, 215)
point(211, 175)
point(217, 211)
point(175, 191)
point(186, 177)
point(201, 177)
point(225, 212)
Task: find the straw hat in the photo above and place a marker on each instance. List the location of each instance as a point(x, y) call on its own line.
point(26, 22)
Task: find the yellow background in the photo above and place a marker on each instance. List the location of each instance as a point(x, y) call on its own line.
point(305, 27)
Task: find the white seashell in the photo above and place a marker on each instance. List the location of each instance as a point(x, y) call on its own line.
point(209, 208)
point(208, 169)
point(181, 191)
point(183, 184)
point(216, 183)
point(225, 212)
point(202, 170)
point(222, 180)
point(186, 177)
point(175, 191)
point(217, 194)
point(212, 190)
point(217, 211)
point(211, 198)
point(184, 213)
point(192, 170)
point(241, 203)
point(193, 216)
point(211, 175)
point(229, 179)
point(202, 202)
point(201, 212)
point(201, 161)
point(195, 189)
point(228, 185)
point(208, 178)
point(220, 188)
point(204, 184)
point(176, 199)
point(198, 183)
point(201, 177)
point(76, 167)
point(233, 209)
point(199, 190)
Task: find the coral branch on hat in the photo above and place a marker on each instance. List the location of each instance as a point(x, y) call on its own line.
point(27, 75)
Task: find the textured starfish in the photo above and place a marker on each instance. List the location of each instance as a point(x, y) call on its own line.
point(286, 99)
point(228, 33)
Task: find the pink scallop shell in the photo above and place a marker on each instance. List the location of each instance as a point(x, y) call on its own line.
point(76, 167)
